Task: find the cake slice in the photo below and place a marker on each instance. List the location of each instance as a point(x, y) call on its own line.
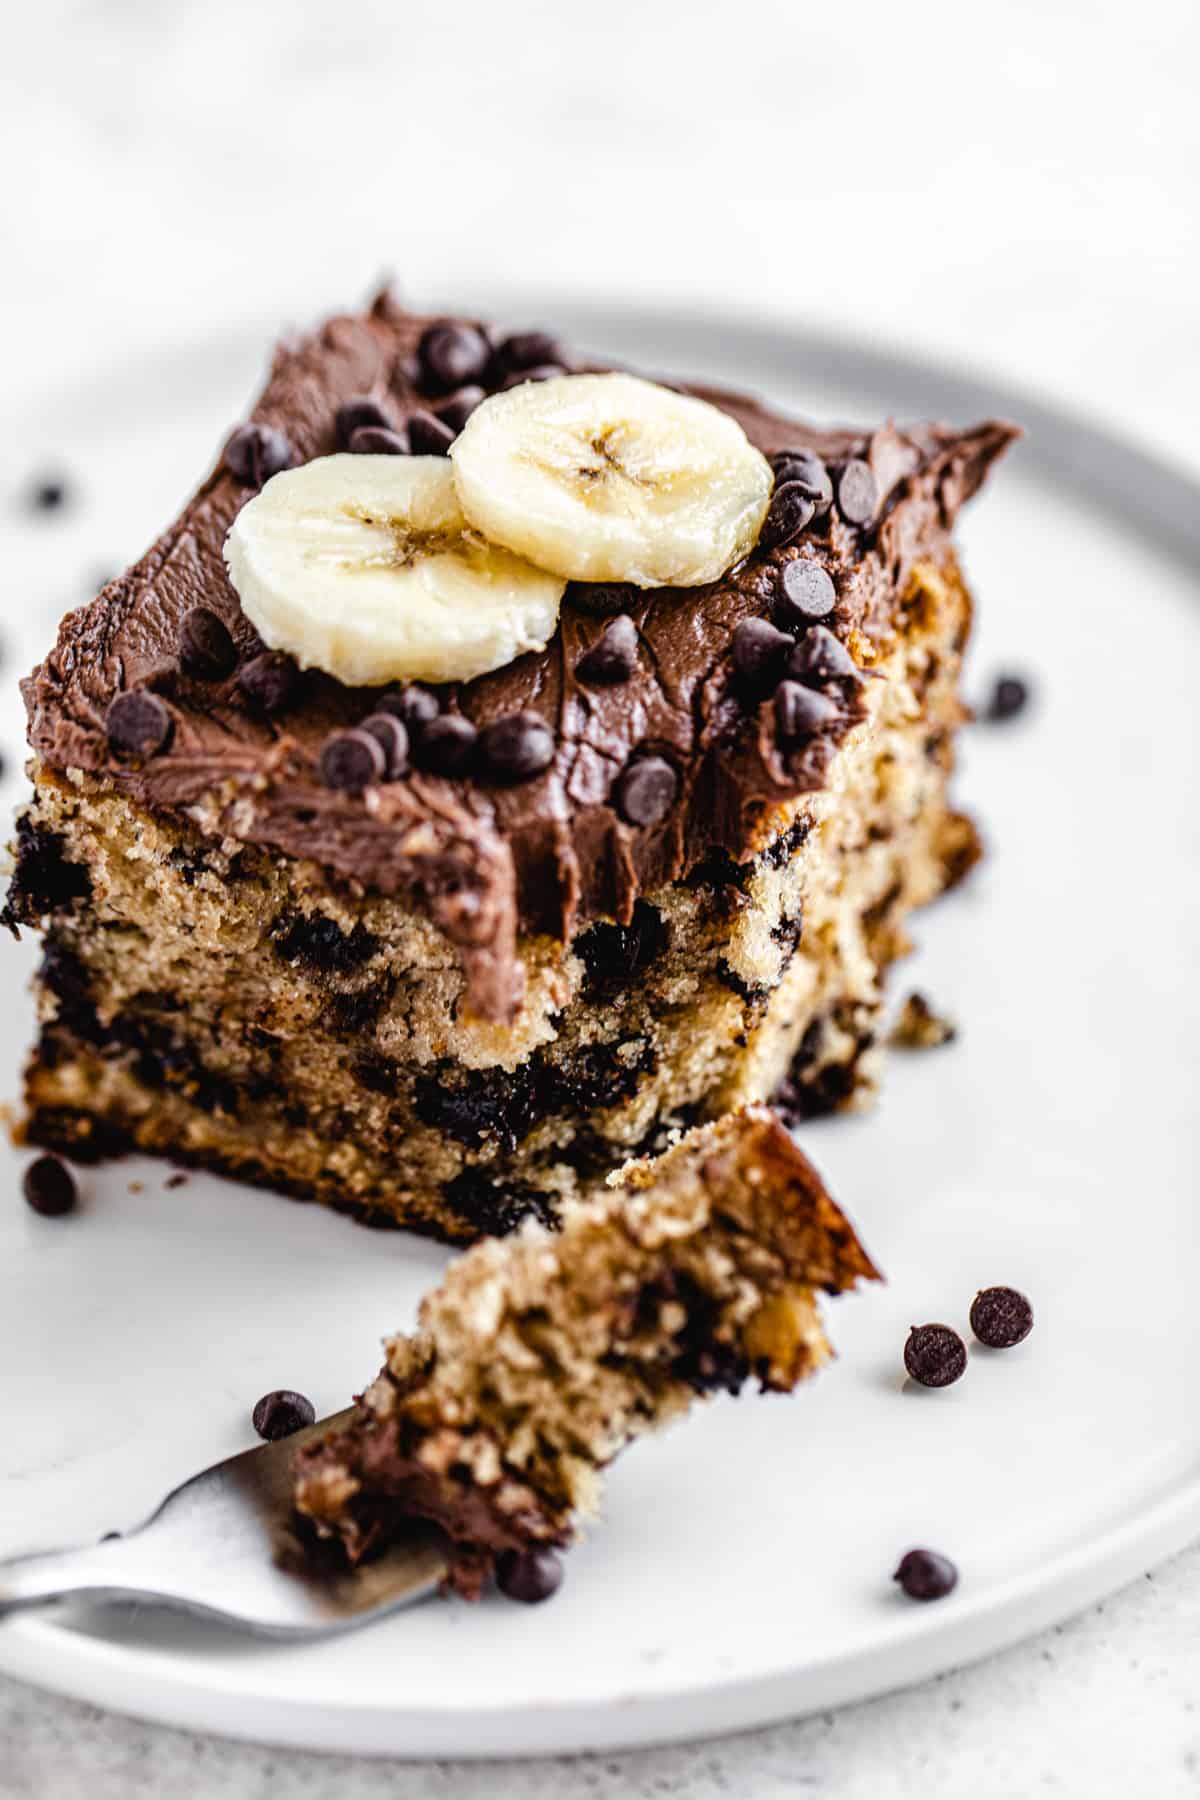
point(541, 1356)
point(448, 971)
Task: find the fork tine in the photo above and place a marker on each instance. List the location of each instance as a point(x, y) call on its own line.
point(212, 1548)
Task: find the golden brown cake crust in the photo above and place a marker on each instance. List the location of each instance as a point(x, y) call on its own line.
point(450, 1003)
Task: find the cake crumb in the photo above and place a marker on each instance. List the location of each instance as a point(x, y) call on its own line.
point(177, 1180)
point(919, 1027)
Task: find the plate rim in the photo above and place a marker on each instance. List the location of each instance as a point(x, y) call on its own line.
point(111, 1675)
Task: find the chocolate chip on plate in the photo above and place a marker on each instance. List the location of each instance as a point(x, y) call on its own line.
point(378, 440)
point(759, 651)
point(517, 747)
point(269, 682)
point(137, 723)
point(256, 452)
point(601, 597)
point(819, 656)
point(926, 1575)
point(857, 494)
point(428, 436)
point(806, 592)
point(529, 1576)
point(646, 790)
point(361, 412)
point(414, 706)
point(802, 713)
point(280, 1413)
point(458, 409)
point(452, 354)
point(49, 493)
point(1009, 696)
point(49, 1187)
point(389, 733)
point(207, 651)
point(1001, 1317)
point(613, 657)
point(352, 760)
point(935, 1355)
point(447, 744)
point(791, 511)
point(807, 468)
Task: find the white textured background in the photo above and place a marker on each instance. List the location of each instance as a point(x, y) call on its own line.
point(1015, 188)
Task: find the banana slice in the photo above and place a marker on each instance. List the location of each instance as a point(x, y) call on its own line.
point(611, 478)
point(364, 566)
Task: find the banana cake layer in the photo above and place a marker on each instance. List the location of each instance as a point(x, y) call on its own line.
point(540, 1358)
point(460, 995)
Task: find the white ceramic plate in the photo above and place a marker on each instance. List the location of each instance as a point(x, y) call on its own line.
point(742, 1570)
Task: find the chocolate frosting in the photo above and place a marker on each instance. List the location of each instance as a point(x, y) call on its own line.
point(481, 860)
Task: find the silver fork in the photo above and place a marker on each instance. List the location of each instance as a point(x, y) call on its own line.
point(212, 1548)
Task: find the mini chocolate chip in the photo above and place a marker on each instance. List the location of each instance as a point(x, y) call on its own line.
point(280, 1413)
point(802, 713)
point(819, 656)
point(646, 790)
point(378, 440)
point(806, 592)
point(601, 597)
point(857, 494)
point(934, 1355)
point(460, 406)
point(613, 657)
point(414, 706)
point(359, 412)
point(446, 745)
point(529, 1576)
point(389, 733)
point(1010, 695)
point(137, 723)
point(352, 760)
point(49, 1187)
point(256, 452)
point(791, 511)
point(517, 747)
point(542, 372)
point(525, 350)
point(49, 493)
point(206, 647)
point(806, 467)
point(429, 436)
point(1001, 1317)
point(269, 681)
point(759, 651)
point(452, 354)
point(926, 1575)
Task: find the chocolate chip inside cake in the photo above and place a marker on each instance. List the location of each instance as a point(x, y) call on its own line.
point(447, 971)
point(541, 1357)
